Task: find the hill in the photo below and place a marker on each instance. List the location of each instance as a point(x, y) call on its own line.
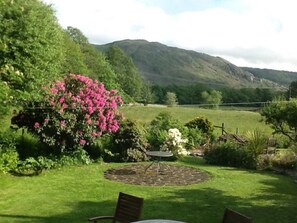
point(164, 65)
point(278, 76)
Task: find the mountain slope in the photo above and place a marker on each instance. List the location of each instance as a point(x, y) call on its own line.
point(278, 76)
point(165, 65)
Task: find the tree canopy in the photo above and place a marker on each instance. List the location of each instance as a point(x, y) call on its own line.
point(31, 51)
point(98, 66)
point(30, 46)
point(127, 74)
point(282, 116)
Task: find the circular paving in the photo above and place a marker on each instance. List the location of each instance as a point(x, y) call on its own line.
point(156, 175)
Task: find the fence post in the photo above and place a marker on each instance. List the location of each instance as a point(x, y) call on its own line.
point(223, 128)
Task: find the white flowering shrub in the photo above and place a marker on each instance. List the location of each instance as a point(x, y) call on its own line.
point(175, 143)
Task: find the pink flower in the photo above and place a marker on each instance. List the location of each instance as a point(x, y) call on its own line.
point(46, 120)
point(61, 100)
point(36, 125)
point(60, 85)
point(90, 110)
point(54, 91)
point(82, 141)
point(62, 123)
point(64, 106)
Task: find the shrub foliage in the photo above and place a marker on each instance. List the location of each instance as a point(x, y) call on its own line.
point(129, 143)
point(73, 113)
point(230, 154)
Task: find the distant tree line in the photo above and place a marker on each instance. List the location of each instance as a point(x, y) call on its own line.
point(202, 94)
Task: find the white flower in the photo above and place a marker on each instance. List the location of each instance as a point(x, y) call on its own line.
point(174, 142)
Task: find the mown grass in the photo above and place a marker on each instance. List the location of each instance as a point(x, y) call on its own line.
point(73, 194)
point(241, 121)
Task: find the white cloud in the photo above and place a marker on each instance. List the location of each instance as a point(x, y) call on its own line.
point(248, 33)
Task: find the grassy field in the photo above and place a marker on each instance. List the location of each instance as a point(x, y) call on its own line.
point(75, 193)
point(242, 121)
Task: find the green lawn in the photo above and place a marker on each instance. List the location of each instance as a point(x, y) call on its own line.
point(242, 120)
point(73, 194)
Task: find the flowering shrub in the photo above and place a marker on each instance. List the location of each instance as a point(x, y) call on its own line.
point(174, 143)
point(158, 128)
point(74, 113)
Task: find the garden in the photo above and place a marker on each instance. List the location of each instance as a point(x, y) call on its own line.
point(69, 143)
point(60, 152)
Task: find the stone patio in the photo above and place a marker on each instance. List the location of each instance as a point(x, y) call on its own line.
point(163, 174)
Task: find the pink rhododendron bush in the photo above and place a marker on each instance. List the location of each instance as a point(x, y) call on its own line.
point(72, 114)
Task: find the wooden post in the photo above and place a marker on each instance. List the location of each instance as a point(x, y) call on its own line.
point(236, 131)
point(223, 128)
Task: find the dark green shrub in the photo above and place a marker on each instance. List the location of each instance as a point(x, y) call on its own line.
point(158, 129)
point(8, 159)
point(8, 155)
point(200, 132)
point(35, 165)
point(128, 144)
point(28, 145)
point(195, 138)
point(229, 154)
point(201, 123)
point(283, 142)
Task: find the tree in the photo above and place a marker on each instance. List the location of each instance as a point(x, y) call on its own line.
point(159, 93)
point(282, 116)
point(292, 92)
point(77, 36)
point(30, 47)
point(74, 58)
point(213, 97)
point(98, 66)
point(127, 74)
point(171, 99)
point(146, 94)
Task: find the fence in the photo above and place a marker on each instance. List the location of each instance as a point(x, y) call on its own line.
point(222, 127)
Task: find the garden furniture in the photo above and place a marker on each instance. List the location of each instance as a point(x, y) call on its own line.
point(159, 155)
point(128, 210)
point(231, 216)
point(158, 221)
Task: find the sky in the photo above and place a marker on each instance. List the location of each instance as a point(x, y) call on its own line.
point(252, 33)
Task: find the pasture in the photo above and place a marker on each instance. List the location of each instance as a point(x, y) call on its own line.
point(234, 120)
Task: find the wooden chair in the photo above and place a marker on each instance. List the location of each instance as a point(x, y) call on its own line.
point(128, 209)
point(231, 216)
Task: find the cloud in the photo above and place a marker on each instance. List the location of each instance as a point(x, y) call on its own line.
point(247, 32)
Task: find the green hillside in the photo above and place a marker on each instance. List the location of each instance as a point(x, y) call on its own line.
point(278, 76)
point(164, 65)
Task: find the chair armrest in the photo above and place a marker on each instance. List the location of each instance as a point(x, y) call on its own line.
point(98, 218)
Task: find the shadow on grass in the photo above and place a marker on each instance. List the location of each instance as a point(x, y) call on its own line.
point(276, 203)
point(193, 206)
point(190, 205)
